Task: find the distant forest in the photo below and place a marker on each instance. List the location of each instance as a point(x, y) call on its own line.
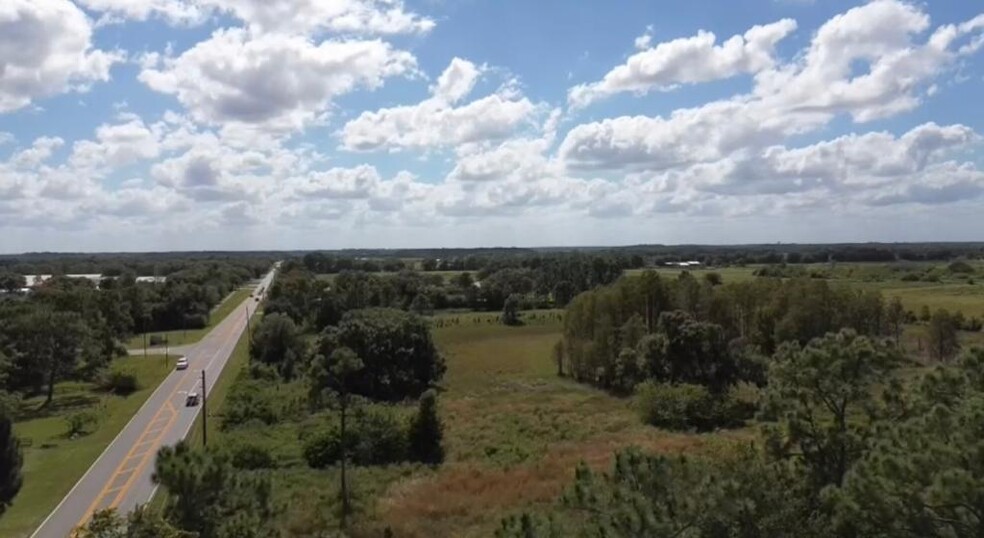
point(473, 259)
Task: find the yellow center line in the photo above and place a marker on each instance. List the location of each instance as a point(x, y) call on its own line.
point(144, 456)
point(132, 452)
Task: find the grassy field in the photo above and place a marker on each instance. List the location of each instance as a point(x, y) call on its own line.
point(180, 338)
point(514, 433)
point(728, 274)
point(53, 463)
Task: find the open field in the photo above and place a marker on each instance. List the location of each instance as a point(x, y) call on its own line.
point(191, 336)
point(53, 463)
point(514, 433)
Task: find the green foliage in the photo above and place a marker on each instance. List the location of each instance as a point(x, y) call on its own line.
point(688, 407)
point(510, 310)
point(139, 523)
point(942, 333)
point(11, 457)
point(373, 438)
point(278, 342)
point(426, 433)
point(689, 325)
point(251, 456)
point(656, 497)
point(80, 423)
point(924, 476)
point(395, 347)
point(960, 266)
point(208, 496)
point(827, 395)
point(118, 382)
point(248, 402)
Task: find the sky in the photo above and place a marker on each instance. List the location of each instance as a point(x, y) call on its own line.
point(153, 125)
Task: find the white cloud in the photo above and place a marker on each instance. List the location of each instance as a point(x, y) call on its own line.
point(46, 49)
point(117, 145)
point(176, 11)
point(278, 81)
point(296, 17)
point(336, 16)
point(436, 122)
point(345, 183)
point(788, 99)
point(687, 60)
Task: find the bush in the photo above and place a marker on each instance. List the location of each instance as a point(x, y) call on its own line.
point(426, 432)
point(251, 456)
point(118, 382)
point(80, 423)
point(960, 267)
point(909, 277)
point(248, 402)
point(373, 438)
point(157, 340)
point(684, 407)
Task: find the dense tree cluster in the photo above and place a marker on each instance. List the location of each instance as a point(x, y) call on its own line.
point(691, 331)
point(72, 328)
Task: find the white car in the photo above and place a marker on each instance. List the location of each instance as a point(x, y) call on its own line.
point(182, 363)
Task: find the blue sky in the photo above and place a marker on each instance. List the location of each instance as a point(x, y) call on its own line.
point(283, 124)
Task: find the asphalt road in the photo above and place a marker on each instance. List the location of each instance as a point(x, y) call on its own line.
point(120, 478)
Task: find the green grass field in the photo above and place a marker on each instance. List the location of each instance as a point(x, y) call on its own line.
point(728, 274)
point(53, 463)
point(180, 338)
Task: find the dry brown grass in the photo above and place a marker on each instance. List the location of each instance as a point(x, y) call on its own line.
point(515, 434)
point(469, 499)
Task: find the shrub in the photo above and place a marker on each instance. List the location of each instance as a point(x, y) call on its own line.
point(157, 340)
point(373, 438)
point(909, 277)
point(960, 267)
point(684, 407)
point(80, 423)
point(426, 432)
point(251, 456)
point(118, 382)
point(248, 403)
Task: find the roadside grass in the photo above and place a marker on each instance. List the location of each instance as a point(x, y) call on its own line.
point(238, 362)
point(180, 337)
point(53, 463)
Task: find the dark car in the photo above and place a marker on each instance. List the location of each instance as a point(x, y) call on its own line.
point(192, 399)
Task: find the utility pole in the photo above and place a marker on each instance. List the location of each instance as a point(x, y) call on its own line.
point(165, 350)
point(204, 411)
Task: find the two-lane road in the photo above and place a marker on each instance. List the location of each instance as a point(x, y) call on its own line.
point(120, 478)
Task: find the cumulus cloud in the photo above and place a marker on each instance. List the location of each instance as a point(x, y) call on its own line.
point(117, 145)
point(688, 60)
point(278, 81)
point(437, 122)
point(336, 16)
point(787, 99)
point(176, 11)
point(46, 49)
point(363, 17)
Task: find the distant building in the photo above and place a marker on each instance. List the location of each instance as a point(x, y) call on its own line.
point(692, 263)
point(34, 281)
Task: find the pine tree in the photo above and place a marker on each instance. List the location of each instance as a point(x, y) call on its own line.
point(11, 459)
point(426, 431)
